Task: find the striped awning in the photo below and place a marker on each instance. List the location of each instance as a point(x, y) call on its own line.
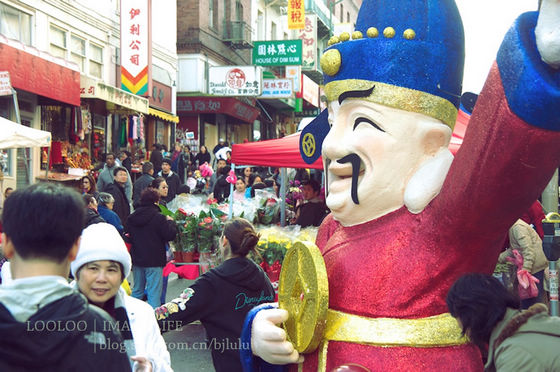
point(163, 115)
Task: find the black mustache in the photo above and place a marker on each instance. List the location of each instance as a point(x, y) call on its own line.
point(355, 161)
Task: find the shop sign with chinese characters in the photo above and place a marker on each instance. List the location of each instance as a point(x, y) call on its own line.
point(277, 88)
point(135, 46)
point(235, 81)
point(296, 14)
point(277, 53)
point(91, 88)
point(308, 35)
point(217, 105)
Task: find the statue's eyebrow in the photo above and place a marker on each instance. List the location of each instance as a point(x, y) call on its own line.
point(355, 94)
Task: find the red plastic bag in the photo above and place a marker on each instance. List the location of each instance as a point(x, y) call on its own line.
point(527, 285)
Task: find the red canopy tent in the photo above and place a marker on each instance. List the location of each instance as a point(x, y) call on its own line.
point(281, 152)
point(284, 152)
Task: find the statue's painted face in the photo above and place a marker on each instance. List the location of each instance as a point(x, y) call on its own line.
point(370, 154)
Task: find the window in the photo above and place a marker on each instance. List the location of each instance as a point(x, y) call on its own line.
point(239, 11)
point(211, 13)
point(15, 24)
point(260, 25)
point(347, 17)
point(95, 61)
point(78, 51)
point(58, 42)
point(273, 31)
point(5, 161)
point(341, 13)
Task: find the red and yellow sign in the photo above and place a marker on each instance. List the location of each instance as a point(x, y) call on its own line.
point(296, 14)
point(135, 46)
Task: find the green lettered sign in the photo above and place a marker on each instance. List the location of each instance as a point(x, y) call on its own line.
point(277, 52)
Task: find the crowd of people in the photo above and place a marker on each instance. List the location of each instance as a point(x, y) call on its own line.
point(62, 273)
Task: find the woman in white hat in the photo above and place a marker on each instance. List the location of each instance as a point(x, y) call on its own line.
point(102, 264)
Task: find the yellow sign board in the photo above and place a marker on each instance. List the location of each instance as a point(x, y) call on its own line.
point(296, 14)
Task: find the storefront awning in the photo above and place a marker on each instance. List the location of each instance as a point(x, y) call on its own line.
point(39, 72)
point(163, 115)
point(217, 105)
point(91, 88)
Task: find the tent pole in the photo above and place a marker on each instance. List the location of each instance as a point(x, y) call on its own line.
point(230, 213)
point(283, 193)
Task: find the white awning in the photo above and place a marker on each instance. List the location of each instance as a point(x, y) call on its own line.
point(13, 135)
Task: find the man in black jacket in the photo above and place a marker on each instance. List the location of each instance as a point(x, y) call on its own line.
point(142, 183)
point(172, 179)
point(44, 324)
point(313, 210)
point(116, 189)
point(156, 158)
point(149, 231)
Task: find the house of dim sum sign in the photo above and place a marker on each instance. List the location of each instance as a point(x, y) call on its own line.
point(235, 81)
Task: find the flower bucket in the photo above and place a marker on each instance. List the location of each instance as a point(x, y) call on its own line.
point(187, 256)
point(178, 256)
point(205, 262)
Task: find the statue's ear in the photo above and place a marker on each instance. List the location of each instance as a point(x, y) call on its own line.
point(436, 138)
point(425, 184)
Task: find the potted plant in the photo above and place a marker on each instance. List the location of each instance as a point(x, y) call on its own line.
point(185, 240)
point(189, 232)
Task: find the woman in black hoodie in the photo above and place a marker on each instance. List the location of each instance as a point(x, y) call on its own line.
point(222, 297)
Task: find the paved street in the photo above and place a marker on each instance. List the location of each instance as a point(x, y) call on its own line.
point(191, 337)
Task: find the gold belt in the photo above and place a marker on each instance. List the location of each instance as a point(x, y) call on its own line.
point(434, 331)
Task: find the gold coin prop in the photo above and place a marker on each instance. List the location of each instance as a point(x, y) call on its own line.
point(304, 293)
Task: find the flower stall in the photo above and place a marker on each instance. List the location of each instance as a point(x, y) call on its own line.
point(200, 224)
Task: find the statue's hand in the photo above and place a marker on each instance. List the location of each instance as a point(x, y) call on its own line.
point(547, 32)
point(268, 340)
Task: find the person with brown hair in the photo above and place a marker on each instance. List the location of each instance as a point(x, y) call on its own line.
point(222, 297)
point(88, 186)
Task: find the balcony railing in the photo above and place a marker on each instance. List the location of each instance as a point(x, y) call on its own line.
point(237, 34)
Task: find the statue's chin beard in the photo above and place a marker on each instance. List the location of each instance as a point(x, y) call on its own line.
point(355, 161)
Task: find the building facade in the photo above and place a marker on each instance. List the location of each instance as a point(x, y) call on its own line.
point(63, 58)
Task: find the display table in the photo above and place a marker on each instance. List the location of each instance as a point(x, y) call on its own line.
point(186, 270)
point(64, 178)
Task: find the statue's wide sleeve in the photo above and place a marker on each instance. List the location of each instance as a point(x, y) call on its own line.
point(512, 144)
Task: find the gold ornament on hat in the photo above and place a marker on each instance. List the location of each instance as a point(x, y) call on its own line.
point(389, 32)
point(331, 61)
point(357, 35)
point(333, 40)
point(409, 34)
point(345, 36)
point(372, 32)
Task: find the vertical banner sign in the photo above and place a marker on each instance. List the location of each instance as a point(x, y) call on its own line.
point(135, 46)
point(309, 37)
point(296, 14)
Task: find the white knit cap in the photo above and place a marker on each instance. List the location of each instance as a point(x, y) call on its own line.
point(101, 241)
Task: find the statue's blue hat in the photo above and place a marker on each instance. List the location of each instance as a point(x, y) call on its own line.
point(410, 51)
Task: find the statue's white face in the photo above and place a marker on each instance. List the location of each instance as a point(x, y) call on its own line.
point(384, 147)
